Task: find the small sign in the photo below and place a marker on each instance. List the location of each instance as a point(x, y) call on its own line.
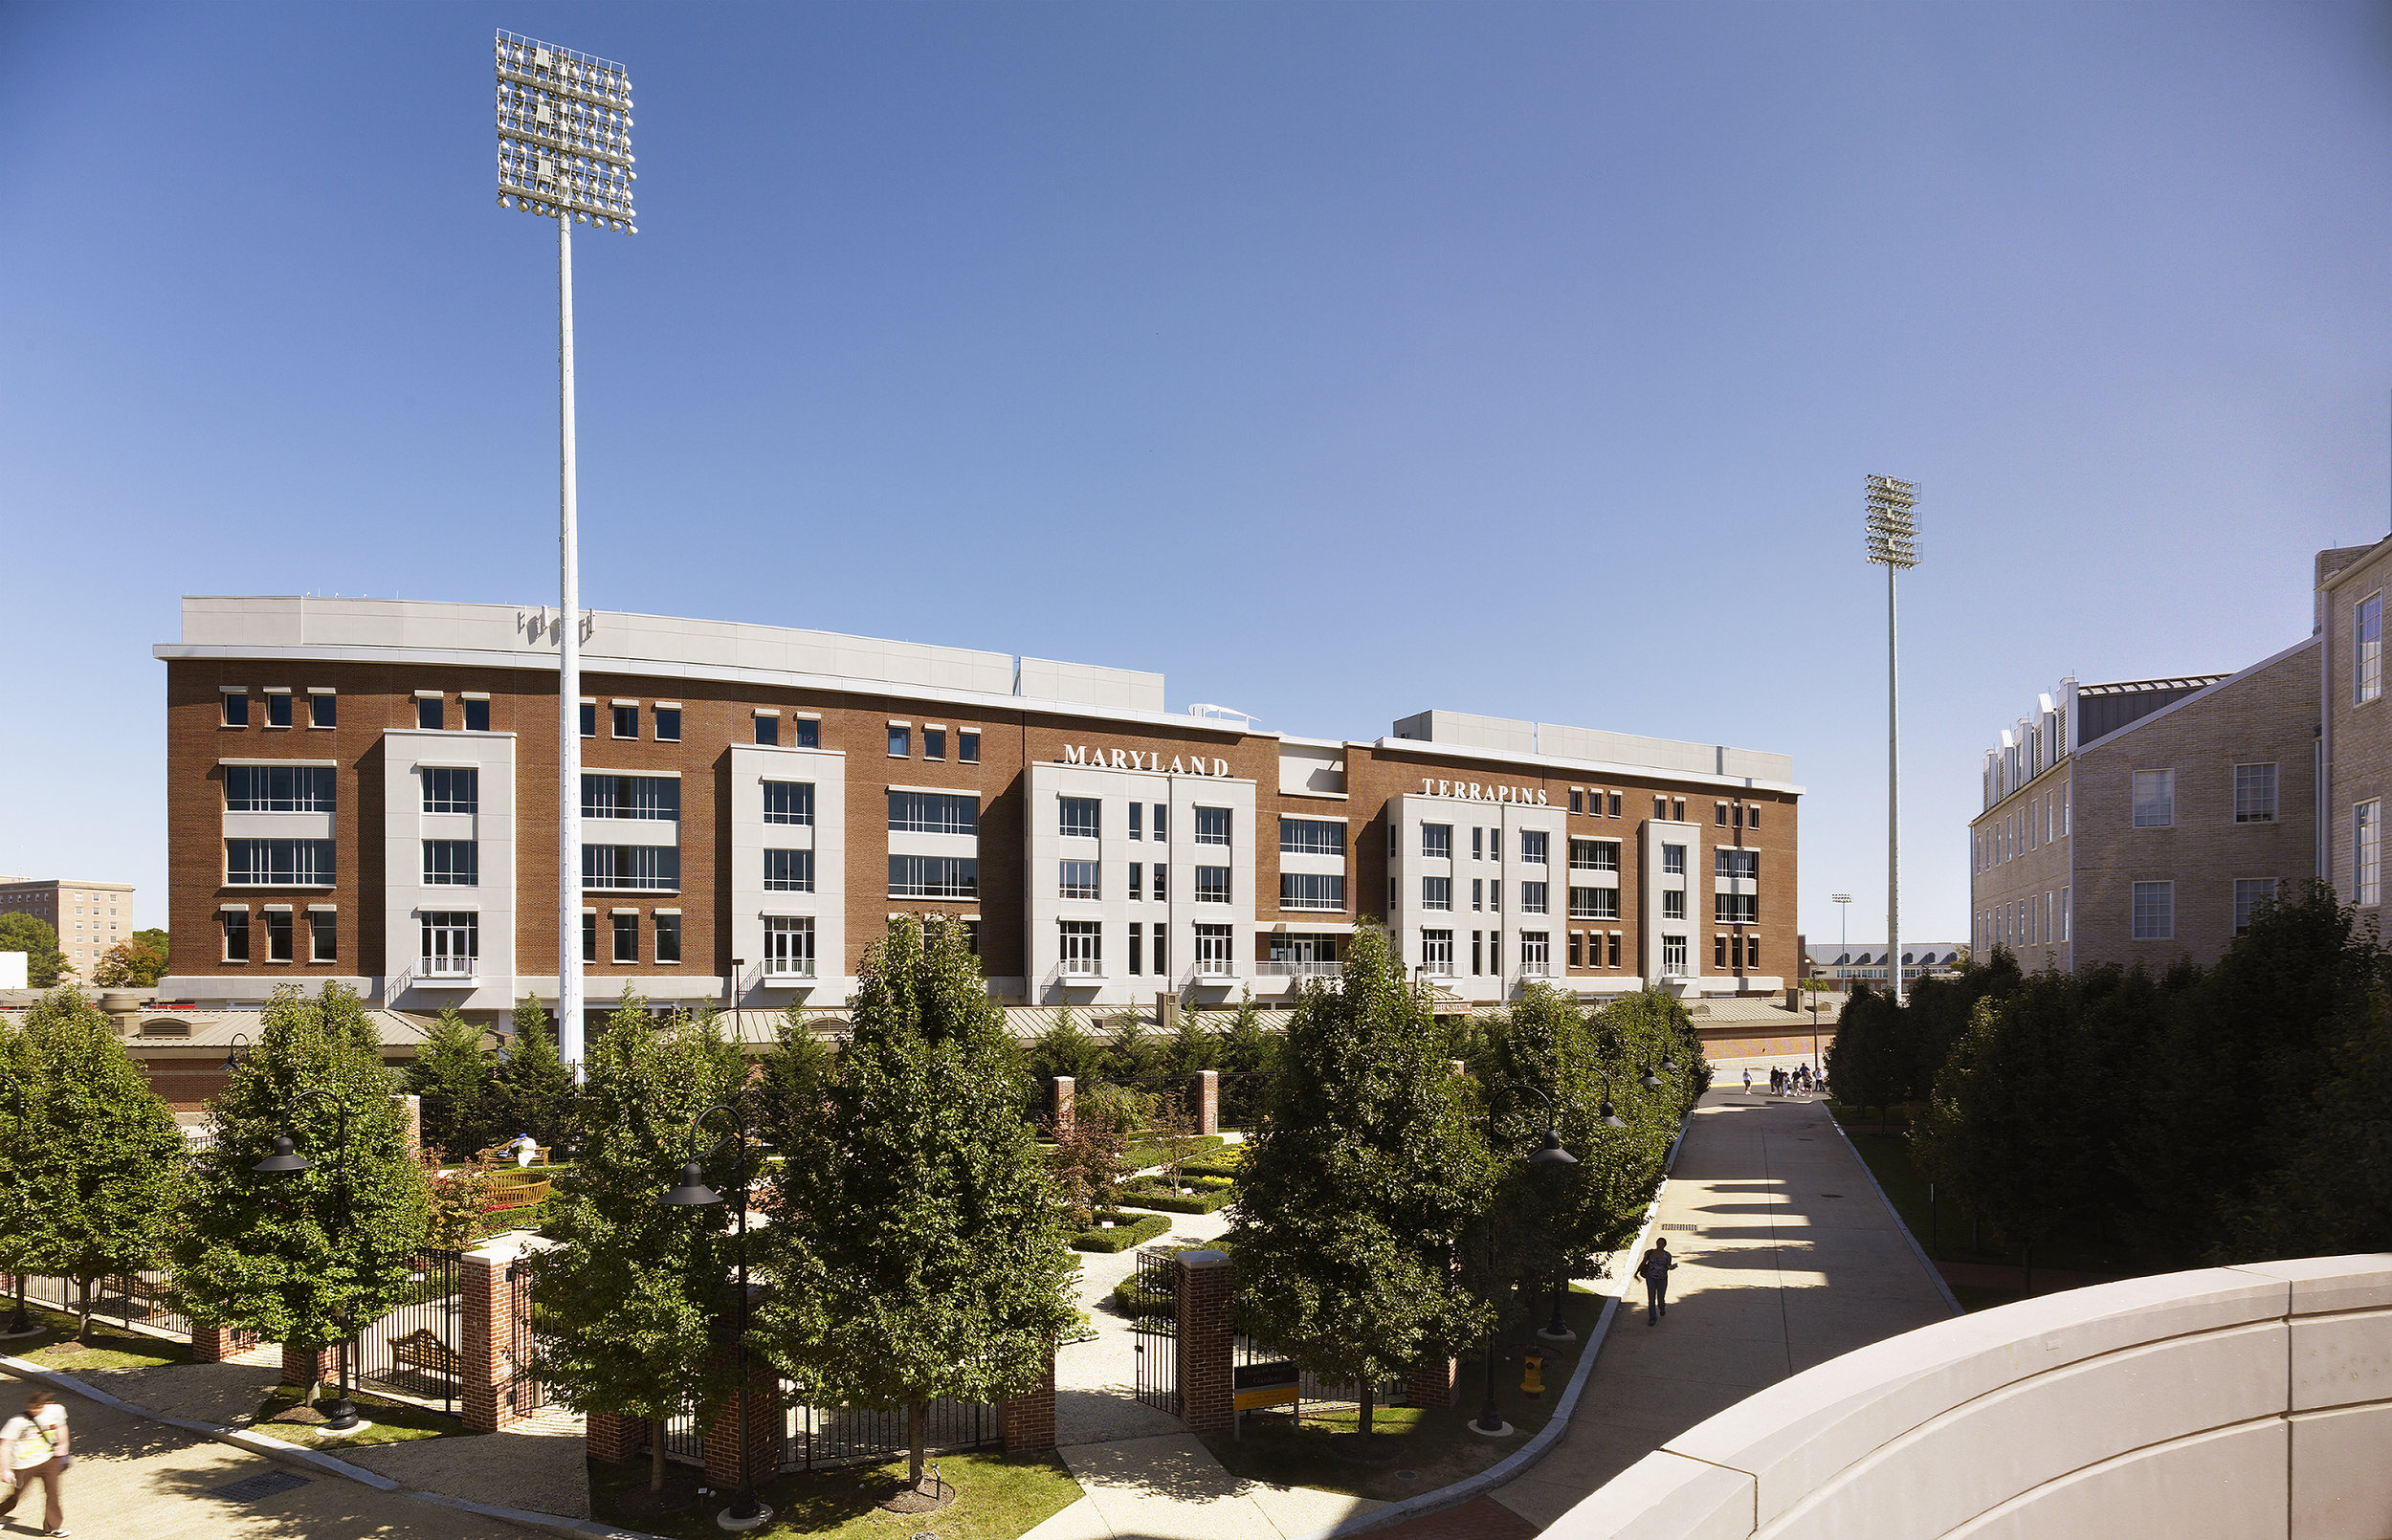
point(1247, 1401)
point(1265, 1376)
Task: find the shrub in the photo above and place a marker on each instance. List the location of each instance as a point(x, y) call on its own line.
point(1128, 1230)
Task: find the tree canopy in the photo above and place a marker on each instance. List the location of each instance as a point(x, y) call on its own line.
point(30, 933)
point(451, 1075)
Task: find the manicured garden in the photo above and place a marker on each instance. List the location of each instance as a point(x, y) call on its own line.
point(997, 1497)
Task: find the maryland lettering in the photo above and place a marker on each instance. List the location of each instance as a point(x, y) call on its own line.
point(1133, 760)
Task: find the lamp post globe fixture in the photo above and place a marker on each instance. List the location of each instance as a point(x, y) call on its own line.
point(287, 1162)
point(747, 1510)
point(1648, 1080)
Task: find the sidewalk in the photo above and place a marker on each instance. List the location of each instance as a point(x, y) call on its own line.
point(1788, 1258)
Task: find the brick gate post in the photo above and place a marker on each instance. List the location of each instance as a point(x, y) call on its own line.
point(1208, 1101)
point(762, 1396)
point(1434, 1383)
point(215, 1344)
point(1066, 1095)
point(1026, 1423)
point(1207, 1404)
point(302, 1367)
point(614, 1438)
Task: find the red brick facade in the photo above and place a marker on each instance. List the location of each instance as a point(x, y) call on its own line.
point(1026, 1423)
point(1206, 1342)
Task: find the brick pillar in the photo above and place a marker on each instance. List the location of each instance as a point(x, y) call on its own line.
point(411, 1115)
point(215, 1344)
point(762, 1396)
point(485, 1326)
point(1066, 1095)
point(614, 1438)
point(1206, 1342)
point(1026, 1423)
point(1434, 1383)
point(296, 1362)
point(1208, 1101)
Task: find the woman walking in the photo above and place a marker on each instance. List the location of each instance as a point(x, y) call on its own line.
point(33, 1448)
point(1654, 1270)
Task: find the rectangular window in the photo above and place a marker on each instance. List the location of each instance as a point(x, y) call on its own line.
point(277, 863)
point(1494, 953)
point(1736, 908)
point(1081, 818)
point(900, 742)
point(1477, 949)
point(1674, 905)
point(1494, 895)
point(323, 935)
point(667, 938)
point(2155, 799)
point(1661, 808)
point(1436, 892)
point(768, 731)
point(1083, 947)
point(646, 868)
point(1752, 816)
point(1213, 951)
point(1163, 820)
point(1673, 861)
point(1213, 885)
point(1719, 814)
point(1535, 954)
point(2250, 892)
point(428, 711)
point(2368, 632)
point(1137, 820)
point(934, 742)
point(1311, 889)
point(788, 872)
point(804, 733)
point(1138, 885)
point(1163, 948)
point(276, 788)
point(1677, 809)
point(589, 937)
point(1594, 903)
point(1533, 847)
point(1137, 950)
point(1719, 952)
point(278, 925)
point(1080, 880)
point(930, 812)
point(451, 943)
point(477, 715)
point(2254, 794)
point(1212, 826)
point(1436, 840)
point(2154, 911)
point(1578, 805)
point(1311, 836)
point(1578, 946)
point(451, 789)
point(932, 876)
point(790, 802)
point(1162, 883)
point(625, 938)
point(1436, 952)
point(1533, 900)
point(1594, 855)
point(452, 864)
point(627, 725)
point(656, 798)
point(1729, 862)
point(590, 718)
point(966, 746)
point(1477, 840)
point(788, 946)
point(236, 714)
point(1673, 954)
point(2366, 852)
point(1477, 894)
point(669, 731)
point(279, 711)
point(1751, 952)
point(1615, 812)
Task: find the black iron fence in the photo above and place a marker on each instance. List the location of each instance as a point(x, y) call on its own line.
point(523, 1394)
point(142, 1299)
point(412, 1349)
point(825, 1438)
point(1316, 1396)
point(1155, 1333)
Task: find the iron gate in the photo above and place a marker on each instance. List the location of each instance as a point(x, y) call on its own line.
point(524, 1393)
point(412, 1349)
point(1155, 1331)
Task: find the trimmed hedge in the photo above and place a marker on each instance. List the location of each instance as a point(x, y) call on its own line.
point(1155, 1153)
point(1225, 1163)
point(1204, 1201)
point(1128, 1230)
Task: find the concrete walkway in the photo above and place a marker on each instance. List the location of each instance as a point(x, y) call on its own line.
point(1788, 1258)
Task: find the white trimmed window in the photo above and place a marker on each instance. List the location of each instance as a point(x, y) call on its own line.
point(1079, 820)
point(1594, 903)
point(1213, 885)
point(2154, 911)
point(2254, 794)
point(1594, 855)
point(2155, 799)
point(1436, 952)
point(788, 872)
point(1673, 954)
point(451, 943)
point(932, 876)
point(1213, 950)
point(1533, 899)
point(2250, 892)
point(651, 868)
point(788, 946)
point(452, 864)
point(1436, 842)
point(1309, 890)
point(277, 863)
point(656, 798)
point(1212, 826)
point(1727, 861)
point(277, 789)
point(1674, 860)
point(790, 802)
point(1436, 892)
point(451, 789)
point(928, 812)
point(2367, 655)
point(1305, 836)
point(2366, 852)
point(1083, 947)
point(1535, 953)
point(1080, 880)
point(1674, 905)
point(1534, 844)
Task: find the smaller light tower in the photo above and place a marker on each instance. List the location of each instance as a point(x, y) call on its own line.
point(1844, 918)
point(1894, 545)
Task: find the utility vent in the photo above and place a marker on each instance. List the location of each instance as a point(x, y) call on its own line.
point(166, 1026)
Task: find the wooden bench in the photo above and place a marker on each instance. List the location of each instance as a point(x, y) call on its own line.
point(515, 1190)
point(502, 1155)
point(421, 1350)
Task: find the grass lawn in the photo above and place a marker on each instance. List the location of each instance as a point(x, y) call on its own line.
point(108, 1347)
point(1434, 1446)
point(393, 1421)
point(997, 1497)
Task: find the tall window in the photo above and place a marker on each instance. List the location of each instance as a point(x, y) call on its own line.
point(1729, 862)
point(2366, 852)
point(451, 789)
point(1163, 882)
point(452, 864)
point(2154, 911)
point(668, 938)
point(934, 742)
point(668, 725)
point(1212, 950)
point(644, 797)
point(966, 746)
point(2155, 799)
point(235, 934)
point(2254, 794)
point(1674, 860)
point(804, 733)
point(590, 725)
point(928, 812)
point(627, 725)
point(278, 920)
point(790, 802)
point(323, 935)
point(768, 731)
point(236, 714)
point(1080, 819)
point(2368, 627)
point(1311, 889)
point(932, 876)
point(428, 711)
point(1310, 836)
point(1533, 900)
point(277, 789)
point(1083, 947)
point(451, 943)
point(323, 709)
point(900, 742)
point(1436, 952)
point(1533, 847)
point(788, 872)
point(625, 938)
point(1674, 905)
point(1213, 885)
point(1436, 892)
point(1535, 953)
point(589, 935)
point(2250, 892)
point(1080, 880)
point(1673, 954)
point(1436, 840)
point(1212, 826)
point(647, 868)
point(1594, 855)
point(788, 946)
point(1137, 821)
point(277, 863)
point(476, 715)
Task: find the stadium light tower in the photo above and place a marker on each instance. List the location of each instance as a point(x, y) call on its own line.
point(565, 153)
point(1894, 545)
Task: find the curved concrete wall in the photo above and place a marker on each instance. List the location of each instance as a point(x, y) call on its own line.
point(2235, 1403)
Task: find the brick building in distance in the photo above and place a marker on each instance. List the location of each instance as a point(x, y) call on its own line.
point(366, 790)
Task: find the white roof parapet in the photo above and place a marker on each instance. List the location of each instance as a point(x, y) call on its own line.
point(1501, 734)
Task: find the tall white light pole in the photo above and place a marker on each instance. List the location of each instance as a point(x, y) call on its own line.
point(1894, 545)
point(565, 153)
point(1844, 918)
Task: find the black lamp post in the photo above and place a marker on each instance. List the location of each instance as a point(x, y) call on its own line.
point(746, 1511)
point(20, 1324)
point(1548, 1152)
point(235, 1052)
point(286, 1160)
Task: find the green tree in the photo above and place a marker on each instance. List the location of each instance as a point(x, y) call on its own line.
point(1066, 1049)
point(156, 939)
point(2335, 1196)
point(44, 963)
point(1247, 1054)
point(534, 1093)
point(451, 1074)
point(1365, 1175)
point(307, 1258)
point(1133, 1056)
point(132, 964)
point(99, 1155)
point(918, 1244)
point(637, 1293)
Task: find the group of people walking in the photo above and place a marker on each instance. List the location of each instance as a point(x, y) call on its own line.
point(1797, 1081)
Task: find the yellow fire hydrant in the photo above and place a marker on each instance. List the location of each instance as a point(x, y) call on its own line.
point(1533, 1382)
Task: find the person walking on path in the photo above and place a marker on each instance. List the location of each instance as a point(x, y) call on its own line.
point(33, 1448)
point(1748, 1080)
point(1654, 1270)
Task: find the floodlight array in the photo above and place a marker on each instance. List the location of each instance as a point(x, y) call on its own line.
point(564, 135)
point(1893, 521)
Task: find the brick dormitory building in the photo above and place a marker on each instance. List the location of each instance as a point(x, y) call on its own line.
point(365, 790)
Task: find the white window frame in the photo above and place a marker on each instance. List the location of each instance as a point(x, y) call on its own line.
point(451, 943)
point(1216, 951)
point(1535, 954)
point(2156, 810)
point(795, 873)
point(1673, 903)
point(1436, 952)
point(2367, 851)
point(2152, 911)
point(2248, 793)
point(1213, 885)
point(1080, 948)
point(1080, 880)
point(1436, 842)
point(2367, 648)
point(1536, 898)
point(1436, 894)
point(788, 946)
point(1674, 955)
point(1220, 820)
point(1066, 827)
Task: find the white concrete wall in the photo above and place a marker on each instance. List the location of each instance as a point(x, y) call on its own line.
point(751, 767)
point(2251, 1403)
point(1498, 867)
point(405, 752)
point(1695, 884)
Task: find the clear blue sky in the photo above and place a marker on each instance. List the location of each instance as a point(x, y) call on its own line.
point(1339, 361)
